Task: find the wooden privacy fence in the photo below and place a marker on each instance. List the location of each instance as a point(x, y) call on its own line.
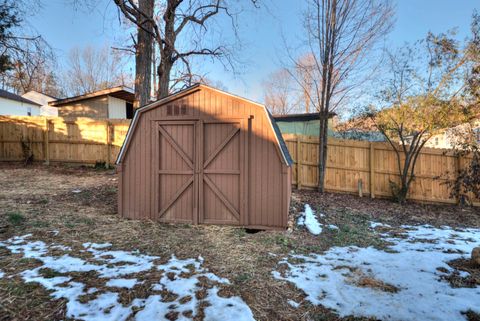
point(55, 139)
point(352, 166)
point(362, 167)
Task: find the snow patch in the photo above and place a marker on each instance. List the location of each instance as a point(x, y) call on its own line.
point(309, 220)
point(122, 283)
point(1, 274)
point(226, 308)
point(408, 269)
point(293, 304)
point(96, 245)
point(374, 225)
point(179, 277)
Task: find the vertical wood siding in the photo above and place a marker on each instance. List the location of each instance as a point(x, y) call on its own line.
point(266, 186)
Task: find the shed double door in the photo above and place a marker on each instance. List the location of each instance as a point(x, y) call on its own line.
point(201, 171)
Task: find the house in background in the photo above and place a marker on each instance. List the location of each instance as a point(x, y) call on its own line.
point(14, 105)
point(43, 100)
point(114, 103)
point(358, 128)
point(302, 124)
point(455, 136)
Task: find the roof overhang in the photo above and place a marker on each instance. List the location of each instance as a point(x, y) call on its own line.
point(120, 92)
point(300, 117)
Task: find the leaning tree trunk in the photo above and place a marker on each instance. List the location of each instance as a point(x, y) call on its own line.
point(143, 55)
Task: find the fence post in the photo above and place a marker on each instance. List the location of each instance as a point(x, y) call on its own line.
point(46, 149)
point(108, 144)
point(299, 163)
point(457, 173)
point(372, 170)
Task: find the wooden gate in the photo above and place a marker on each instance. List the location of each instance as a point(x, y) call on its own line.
point(201, 171)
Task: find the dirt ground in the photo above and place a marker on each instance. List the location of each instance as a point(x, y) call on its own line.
point(80, 203)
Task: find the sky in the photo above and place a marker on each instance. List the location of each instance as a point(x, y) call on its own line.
point(261, 32)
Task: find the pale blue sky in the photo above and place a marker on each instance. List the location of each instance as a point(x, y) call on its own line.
point(64, 27)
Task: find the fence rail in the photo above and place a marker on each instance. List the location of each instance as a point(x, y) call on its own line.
point(352, 166)
point(367, 168)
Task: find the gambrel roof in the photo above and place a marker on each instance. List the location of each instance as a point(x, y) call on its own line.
point(286, 158)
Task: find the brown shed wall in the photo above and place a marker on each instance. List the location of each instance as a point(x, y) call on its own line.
point(96, 107)
point(248, 175)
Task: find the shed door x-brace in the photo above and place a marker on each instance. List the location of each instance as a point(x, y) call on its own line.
point(202, 168)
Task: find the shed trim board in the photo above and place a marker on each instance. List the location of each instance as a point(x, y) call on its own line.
point(203, 156)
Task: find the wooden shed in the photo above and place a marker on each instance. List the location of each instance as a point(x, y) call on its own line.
point(204, 156)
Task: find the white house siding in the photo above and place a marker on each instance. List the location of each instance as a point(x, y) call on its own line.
point(42, 99)
point(117, 108)
point(453, 137)
point(16, 108)
point(49, 111)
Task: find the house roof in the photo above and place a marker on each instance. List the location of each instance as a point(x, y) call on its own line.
point(279, 138)
point(39, 97)
point(300, 117)
point(11, 96)
point(39, 92)
point(120, 92)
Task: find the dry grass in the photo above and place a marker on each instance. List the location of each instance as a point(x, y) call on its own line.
point(45, 200)
point(369, 282)
point(393, 213)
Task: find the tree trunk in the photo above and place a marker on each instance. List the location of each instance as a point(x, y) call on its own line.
point(322, 150)
point(163, 72)
point(143, 56)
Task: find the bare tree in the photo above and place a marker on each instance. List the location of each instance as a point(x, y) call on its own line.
point(179, 30)
point(26, 60)
point(279, 95)
point(91, 69)
point(304, 76)
point(33, 68)
point(339, 36)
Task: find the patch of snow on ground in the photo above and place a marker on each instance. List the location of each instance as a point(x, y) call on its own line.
point(309, 220)
point(410, 266)
point(293, 304)
point(377, 224)
point(1, 274)
point(122, 283)
point(179, 277)
point(226, 308)
point(96, 245)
